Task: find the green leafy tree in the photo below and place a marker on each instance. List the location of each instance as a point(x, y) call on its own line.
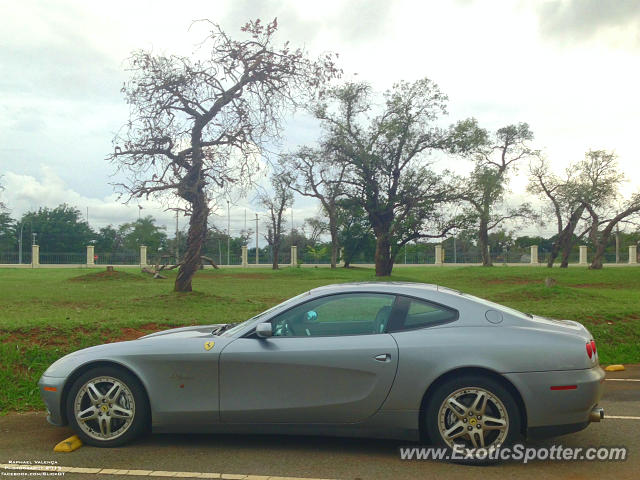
point(386, 158)
point(143, 231)
point(8, 238)
point(495, 156)
point(59, 230)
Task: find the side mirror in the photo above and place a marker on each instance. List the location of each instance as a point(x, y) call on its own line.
point(263, 330)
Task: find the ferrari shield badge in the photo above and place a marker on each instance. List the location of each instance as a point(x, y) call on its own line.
point(209, 345)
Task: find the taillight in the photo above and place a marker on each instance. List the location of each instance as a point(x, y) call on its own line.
point(593, 346)
point(589, 350)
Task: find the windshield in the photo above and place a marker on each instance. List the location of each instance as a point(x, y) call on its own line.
point(232, 331)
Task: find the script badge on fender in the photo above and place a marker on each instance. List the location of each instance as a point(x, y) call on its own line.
point(209, 345)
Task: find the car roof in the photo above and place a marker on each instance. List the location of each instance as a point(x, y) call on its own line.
point(391, 287)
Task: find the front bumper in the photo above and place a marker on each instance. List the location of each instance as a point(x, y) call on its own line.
point(555, 408)
point(52, 398)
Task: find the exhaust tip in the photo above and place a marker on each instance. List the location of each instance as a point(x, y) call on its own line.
point(597, 414)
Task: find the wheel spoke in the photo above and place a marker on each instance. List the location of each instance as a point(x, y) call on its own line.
point(105, 426)
point(90, 413)
point(449, 433)
point(492, 423)
point(480, 403)
point(114, 392)
point(472, 437)
point(93, 393)
point(118, 411)
point(457, 408)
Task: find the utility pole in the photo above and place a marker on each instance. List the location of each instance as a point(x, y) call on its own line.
point(20, 245)
point(617, 243)
point(228, 231)
point(87, 215)
point(257, 259)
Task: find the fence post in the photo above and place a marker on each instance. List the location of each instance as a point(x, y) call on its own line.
point(245, 256)
point(35, 255)
point(534, 254)
point(294, 255)
point(439, 256)
point(143, 255)
point(90, 255)
point(583, 255)
point(633, 254)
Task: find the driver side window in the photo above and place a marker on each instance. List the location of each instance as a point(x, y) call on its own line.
point(342, 314)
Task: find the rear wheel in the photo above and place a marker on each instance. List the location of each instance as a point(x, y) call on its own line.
point(107, 407)
point(472, 412)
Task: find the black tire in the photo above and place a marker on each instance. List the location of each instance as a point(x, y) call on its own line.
point(460, 385)
point(133, 397)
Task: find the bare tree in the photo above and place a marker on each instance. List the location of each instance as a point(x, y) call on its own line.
point(597, 187)
point(313, 228)
point(484, 190)
point(564, 205)
point(387, 172)
point(276, 205)
point(315, 173)
point(198, 124)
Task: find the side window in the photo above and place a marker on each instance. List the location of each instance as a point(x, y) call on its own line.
point(423, 314)
point(343, 314)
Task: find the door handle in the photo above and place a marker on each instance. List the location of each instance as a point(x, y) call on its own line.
point(383, 357)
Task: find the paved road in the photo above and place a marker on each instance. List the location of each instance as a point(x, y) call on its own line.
point(27, 437)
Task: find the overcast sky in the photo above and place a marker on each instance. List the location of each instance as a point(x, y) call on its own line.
point(568, 68)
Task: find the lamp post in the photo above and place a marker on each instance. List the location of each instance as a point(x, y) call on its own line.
point(20, 245)
point(228, 231)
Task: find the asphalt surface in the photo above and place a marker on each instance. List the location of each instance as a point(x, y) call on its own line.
point(28, 438)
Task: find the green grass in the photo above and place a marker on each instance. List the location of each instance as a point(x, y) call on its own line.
point(46, 313)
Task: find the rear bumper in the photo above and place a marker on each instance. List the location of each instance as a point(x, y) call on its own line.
point(565, 409)
point(53, 399)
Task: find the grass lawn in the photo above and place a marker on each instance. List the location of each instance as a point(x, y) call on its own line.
point(46, 313)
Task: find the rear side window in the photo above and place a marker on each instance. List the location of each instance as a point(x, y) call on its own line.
point(420, 314)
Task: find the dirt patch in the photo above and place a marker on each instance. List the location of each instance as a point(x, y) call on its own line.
point(37, 336)
point(61, 338)
point(608, 286)
point(131, 333)
point(106, 275)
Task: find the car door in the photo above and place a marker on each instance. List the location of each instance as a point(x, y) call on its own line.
point(327, 362)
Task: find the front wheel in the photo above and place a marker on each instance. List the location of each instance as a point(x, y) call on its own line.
point(472, 412)
point(107, 407)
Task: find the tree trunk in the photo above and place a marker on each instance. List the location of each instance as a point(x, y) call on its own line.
point(567, 244)
point(596, 263)
point(384, 262)
point(483, 242)
point(333, 230)
point(276, 256)
point(195, 239)
point(555, 251)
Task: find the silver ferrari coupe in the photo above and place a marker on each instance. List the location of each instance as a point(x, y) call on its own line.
point(389, 360)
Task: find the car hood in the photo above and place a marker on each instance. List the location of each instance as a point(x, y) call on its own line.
point(186, 332)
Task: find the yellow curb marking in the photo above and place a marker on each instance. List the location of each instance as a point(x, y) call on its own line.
point(154, 473)
point(614, 368)
point(68, 445)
